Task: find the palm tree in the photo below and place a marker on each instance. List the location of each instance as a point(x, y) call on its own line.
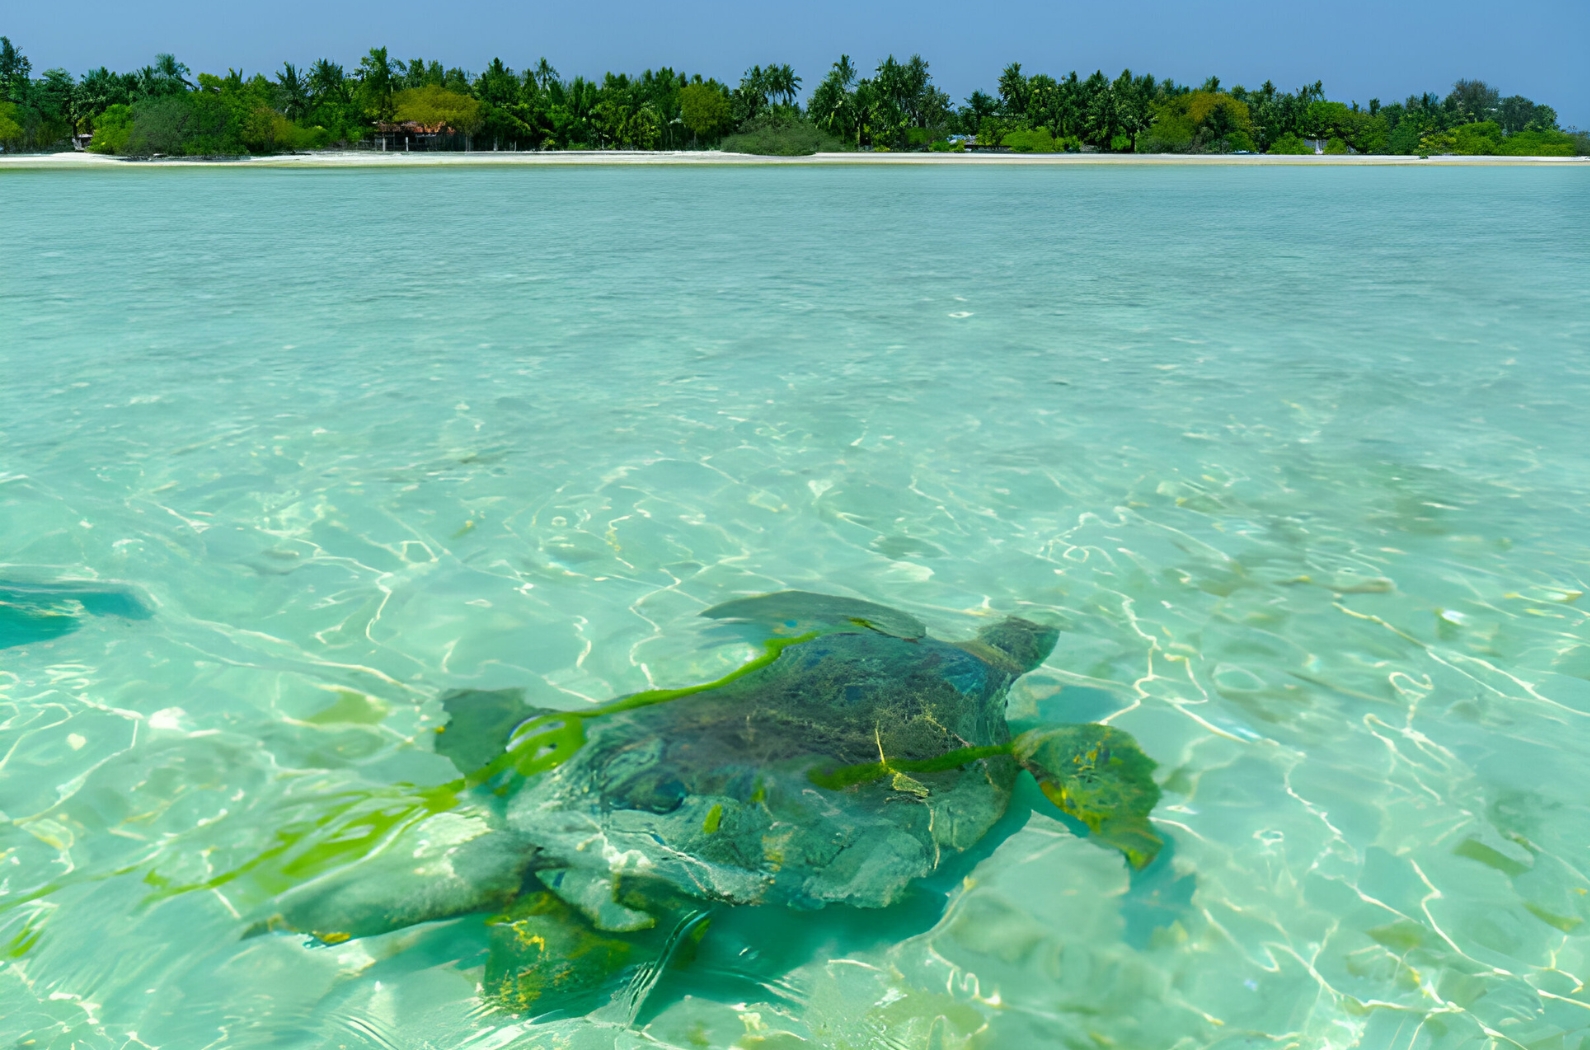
point(292, 89)
point(895, 93)
point(910, 88)
point(573, 105)
point(979, 106)
point(96, 92)
point(55, 94)
point(782, 81)
point(166, 77)
point(752, 93)
point(832, 106)
point(1013, 90)
point(327, 82)
point(172, 71)
point(1134, 103)
point(1098, 111)
point(544, 75)
point(845, 72)
point(378, 83)
point(871, 118)
point(915, 78)
point(497, 85)
point(419, 73)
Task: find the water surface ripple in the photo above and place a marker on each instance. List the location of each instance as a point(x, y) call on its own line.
point(1296, 456)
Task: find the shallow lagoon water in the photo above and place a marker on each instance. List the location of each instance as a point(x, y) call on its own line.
point(1296, 457)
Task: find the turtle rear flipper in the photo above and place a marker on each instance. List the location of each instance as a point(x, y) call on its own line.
point(798, 611)
point(546, 957)
point(1101, 777)
point(594, 894)
point(429, 872)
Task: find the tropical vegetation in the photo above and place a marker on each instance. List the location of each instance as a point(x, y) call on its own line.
point(386, 102)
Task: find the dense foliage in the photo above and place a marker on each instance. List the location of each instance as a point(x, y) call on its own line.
point(164, 109)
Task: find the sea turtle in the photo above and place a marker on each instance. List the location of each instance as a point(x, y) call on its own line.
point(854, 756)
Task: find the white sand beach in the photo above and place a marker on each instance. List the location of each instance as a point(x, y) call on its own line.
point(374, 159)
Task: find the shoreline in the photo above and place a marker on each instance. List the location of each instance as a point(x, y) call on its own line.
point(714, 158)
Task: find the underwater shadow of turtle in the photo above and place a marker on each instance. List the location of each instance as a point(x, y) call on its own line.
point(841, 768)
point(33, 612)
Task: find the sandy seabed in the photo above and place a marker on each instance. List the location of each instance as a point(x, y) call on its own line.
point(374, 159)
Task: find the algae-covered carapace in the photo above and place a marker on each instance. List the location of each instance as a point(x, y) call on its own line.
point(855, 756)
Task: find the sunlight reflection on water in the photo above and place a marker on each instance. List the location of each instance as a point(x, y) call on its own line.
point(1295, 456)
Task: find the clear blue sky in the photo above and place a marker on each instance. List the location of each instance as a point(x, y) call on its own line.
point(1361, 49)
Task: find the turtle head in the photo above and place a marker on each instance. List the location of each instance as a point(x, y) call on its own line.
point(1020, 643)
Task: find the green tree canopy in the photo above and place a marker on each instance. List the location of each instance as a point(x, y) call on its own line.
point(896, 107)
point(15, 69)
point(434, 106)
point(378, 84)
point(704, 108)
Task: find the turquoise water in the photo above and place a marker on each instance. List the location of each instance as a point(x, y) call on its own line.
point(1297, 458)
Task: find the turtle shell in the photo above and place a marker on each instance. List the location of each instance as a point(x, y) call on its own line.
point(728, 794)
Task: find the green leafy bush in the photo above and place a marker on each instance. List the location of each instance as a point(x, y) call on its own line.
point(1038, 140)
point(160, 125)
point(289, 136)
point(1405, 138)
point(783, 138)
point(1483, 139)
point(11, 131)
point(1290, 145)
point(1478, 140)
point(1030, 140)
point(111, 130)
point(1538, 144)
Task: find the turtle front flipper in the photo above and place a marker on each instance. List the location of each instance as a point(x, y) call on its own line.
point(1098, 775)
point(797, 612)
point(479, 723)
